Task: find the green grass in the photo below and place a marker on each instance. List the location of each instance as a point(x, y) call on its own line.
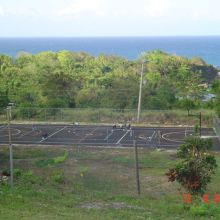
point(97, 184)
point(51, 161)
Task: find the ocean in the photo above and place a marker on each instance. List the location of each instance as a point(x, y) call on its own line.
point(207, 48)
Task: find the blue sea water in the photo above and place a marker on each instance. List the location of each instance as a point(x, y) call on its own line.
point(207, 48)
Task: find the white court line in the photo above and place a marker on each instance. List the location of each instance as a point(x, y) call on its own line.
point(52, 134)
point(12, 134)
point(29, 132)
point(85, 136)
point(151, 137)
point(3, 126)
point(209, 136)
point(173, 140)
point(147, 138)
point(123, 137)
point(106, 138)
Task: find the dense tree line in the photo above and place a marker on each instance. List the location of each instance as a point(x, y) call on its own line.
point(67, 79)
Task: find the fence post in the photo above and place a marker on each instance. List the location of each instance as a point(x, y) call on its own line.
point(107, 135)
point(10, 145)
point(45, 114)
point(99, 118)
point(137, 168)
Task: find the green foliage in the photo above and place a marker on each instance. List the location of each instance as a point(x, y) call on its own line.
point(66, 79)
point(216, 90)
point(60, 159)
point(196, 130)
point(207, 210)
point(123, 160)
point(17, 172)
point(58, 177)
point(52, 161)
point(197, 166)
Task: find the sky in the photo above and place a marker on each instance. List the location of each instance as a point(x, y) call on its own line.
point(86, 18)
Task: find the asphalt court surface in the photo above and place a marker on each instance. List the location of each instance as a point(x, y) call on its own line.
point(162, 137)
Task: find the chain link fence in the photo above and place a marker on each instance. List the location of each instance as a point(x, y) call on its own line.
point(108, 116)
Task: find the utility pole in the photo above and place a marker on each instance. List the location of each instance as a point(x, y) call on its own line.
point(10, 145)
point(140, 93)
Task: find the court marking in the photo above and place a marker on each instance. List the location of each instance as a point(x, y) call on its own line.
point(209, 136)
point(12, 134)
point(89, 144)
point(173, 140)
point(109, 135)
point(85, 136)
point(123, 136)
point(26, 134)
point(147, 138)
point(52, 134)
point(2, 126)
point(152, 136)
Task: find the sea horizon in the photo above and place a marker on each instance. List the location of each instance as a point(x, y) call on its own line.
point(130, 47)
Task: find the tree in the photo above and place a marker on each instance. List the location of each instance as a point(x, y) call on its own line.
point(216, 91)
point(6, 62)
point(196, 167)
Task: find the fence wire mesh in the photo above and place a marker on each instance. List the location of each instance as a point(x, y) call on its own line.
point(96, 115)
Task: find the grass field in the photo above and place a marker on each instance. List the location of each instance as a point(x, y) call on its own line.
point(96, 184)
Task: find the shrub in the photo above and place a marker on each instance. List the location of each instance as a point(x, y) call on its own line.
point(197, 166)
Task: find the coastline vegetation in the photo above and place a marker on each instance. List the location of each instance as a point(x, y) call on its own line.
point(78, 80)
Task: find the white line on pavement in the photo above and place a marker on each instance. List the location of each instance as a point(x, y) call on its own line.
point(3, 126)
point(29, 132)
point(85, 136)
point(53, 134)
point(107, 137)
point(123, 137)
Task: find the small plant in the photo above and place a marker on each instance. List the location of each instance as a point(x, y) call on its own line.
point(204, 210)
point(197, 166)
point(83, 170)
point(58, 177)
point(17, 172)
point(52, 161)
point(196, 130)
point(60, 159)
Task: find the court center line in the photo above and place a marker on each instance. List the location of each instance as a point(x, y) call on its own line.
point(52, 134)
point(123, 137)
